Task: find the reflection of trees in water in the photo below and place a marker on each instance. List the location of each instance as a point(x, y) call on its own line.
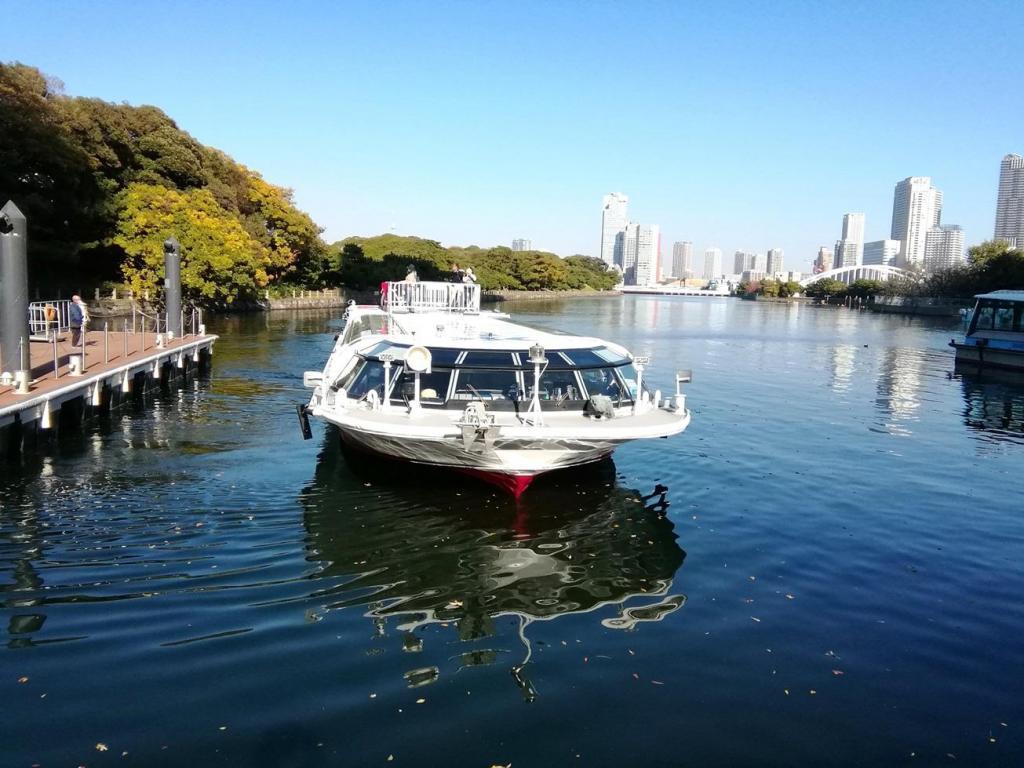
point(994, 405)
point(432, 547)
point(23, 544)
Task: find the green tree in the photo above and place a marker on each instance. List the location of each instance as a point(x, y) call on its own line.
point(825, 289)
point(983, 253)
point(221, 262)
point(789, 288)
point(863, 288)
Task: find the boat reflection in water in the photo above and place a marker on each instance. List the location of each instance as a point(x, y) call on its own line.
point(422, 551)
point(994, 404)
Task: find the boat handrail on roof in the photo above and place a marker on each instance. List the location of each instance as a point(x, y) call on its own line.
point(463, 298)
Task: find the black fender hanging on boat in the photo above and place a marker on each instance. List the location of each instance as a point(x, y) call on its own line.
point(304, 428)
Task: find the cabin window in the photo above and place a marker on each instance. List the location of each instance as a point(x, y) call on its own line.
point(478, 359)
point(355, 329)
point(604, 381)
point(628, 373)
point(370, 376)
point(583, 358)
point(984, 321)
point(1003, 318)
point(444, 357)
point(486, 385)
point(560, 386)
point(433, 387)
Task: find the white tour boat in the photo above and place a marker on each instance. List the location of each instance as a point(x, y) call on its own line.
point(428, 377)
point(995, 335)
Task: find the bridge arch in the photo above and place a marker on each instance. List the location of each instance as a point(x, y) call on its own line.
point(856, 272)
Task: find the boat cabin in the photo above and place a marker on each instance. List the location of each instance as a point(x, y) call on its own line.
point(995, 335)
point(503, 379)
point(998, 320)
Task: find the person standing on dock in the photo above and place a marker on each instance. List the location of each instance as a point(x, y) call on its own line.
point(76, 319)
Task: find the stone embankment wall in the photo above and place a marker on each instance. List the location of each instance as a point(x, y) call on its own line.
point(509, 295)
point(328, 298)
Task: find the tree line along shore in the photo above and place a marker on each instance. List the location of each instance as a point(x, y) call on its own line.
point(103, 185)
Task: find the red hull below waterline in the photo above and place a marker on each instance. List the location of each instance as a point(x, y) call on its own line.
point(513, 484)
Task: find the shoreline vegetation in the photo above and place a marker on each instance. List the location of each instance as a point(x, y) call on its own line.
point(103, 185)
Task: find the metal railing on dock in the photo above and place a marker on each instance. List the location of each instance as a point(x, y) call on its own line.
point(53, 352)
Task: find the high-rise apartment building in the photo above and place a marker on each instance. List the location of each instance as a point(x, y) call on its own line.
point(1010, 202)
point(850, 247)
point(916, 208)
point(881, 253)
point(641, 254)
point(712, 263)
point(682, 260)
point(614, 218)
point(944, 248)
point(774, 261)
point(522, 245)
point(744, 261)
point(853, 227)
point(824, 261)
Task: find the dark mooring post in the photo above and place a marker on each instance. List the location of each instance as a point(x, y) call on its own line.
point(14, 337)
point(172, 285)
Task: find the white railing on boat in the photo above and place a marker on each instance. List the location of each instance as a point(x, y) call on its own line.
point(433, 297)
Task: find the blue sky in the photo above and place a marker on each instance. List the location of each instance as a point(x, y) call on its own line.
point(742, 125)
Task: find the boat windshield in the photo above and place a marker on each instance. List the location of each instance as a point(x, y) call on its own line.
point(996, 315)
point(501, 378)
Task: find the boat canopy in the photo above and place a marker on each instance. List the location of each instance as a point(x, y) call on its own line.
point(1002, 295)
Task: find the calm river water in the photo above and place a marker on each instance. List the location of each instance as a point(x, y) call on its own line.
point(833, 577)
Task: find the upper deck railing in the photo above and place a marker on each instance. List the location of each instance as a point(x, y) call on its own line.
point(430, 297)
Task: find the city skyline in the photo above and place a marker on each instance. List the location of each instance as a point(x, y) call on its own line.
point(324, 125)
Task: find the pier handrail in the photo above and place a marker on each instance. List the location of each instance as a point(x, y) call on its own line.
point(430, 296)
point(194, 313)
point(41, 326)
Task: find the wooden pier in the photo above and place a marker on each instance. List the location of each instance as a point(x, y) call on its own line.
point(113, 366)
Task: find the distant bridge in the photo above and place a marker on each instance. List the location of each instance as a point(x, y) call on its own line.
point(848, 275)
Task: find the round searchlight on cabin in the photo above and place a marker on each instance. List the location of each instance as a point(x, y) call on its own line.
point(418, 359)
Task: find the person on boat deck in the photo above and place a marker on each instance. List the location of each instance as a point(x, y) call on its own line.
point(410, 275)
point(456, 273)
point(469, 277)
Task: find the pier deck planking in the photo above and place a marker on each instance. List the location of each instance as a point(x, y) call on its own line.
point(106, 356)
